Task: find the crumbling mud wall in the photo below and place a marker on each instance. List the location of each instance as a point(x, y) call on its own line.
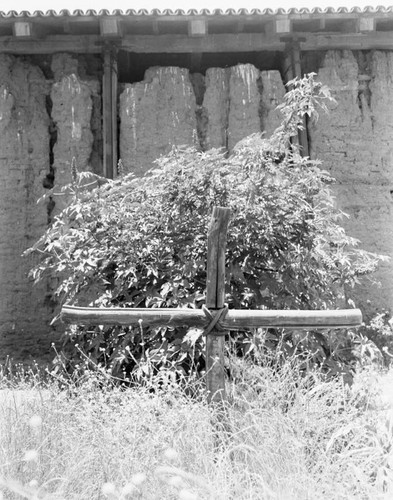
point(355, 143)
point(272, 94)
point(155, 115)
point(24, 163)
point(244, 103)
point(44, 121)
point(354, 140)
point(72, 111)
point(171, 107)
point(50, 112)
point(48, 115)
point(216, 108)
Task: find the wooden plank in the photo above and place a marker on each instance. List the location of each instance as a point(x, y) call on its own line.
point(88, 44)
point(215, 43)
point(215, 300)
point(114, 138)
point(144, 44)
point(195, 62)
point(379, 40)
point(235, 319)
point(255, 42)
point(332, 16)
point(294, 70)
point(216, 245)
point(109, 113)
point(107, 116)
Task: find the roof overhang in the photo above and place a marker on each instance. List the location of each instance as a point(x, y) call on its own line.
point(196, 31)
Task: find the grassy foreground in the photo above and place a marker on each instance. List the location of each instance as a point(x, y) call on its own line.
point(282, 438)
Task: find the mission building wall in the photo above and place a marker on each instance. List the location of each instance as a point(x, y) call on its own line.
point(51, 111)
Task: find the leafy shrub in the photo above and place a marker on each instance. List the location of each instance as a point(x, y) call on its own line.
point(141, 242)
point(376, 339)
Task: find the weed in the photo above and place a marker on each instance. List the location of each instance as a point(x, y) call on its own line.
point(284, 437)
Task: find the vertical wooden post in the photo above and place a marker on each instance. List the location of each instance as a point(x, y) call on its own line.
point(292, 70)
point(109, 111)
point(215, 299)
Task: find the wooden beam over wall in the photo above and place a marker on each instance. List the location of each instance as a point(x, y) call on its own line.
point(109, 112)
point(213, 43)
point(144, 44)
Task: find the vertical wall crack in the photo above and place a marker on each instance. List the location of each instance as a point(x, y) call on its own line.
point(202, 119)
point(49, 179)
point(364, 79)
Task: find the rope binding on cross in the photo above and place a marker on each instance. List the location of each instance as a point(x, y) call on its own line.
point(215, 317)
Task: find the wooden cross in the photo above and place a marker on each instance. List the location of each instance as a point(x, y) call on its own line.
point(214, 318)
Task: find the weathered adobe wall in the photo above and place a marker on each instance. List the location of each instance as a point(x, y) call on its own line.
point(156, 114)
point(355, 142)
point(171, 107)
point(43, 123)
point(45, 120)
point(24, 155)
point(72, 111)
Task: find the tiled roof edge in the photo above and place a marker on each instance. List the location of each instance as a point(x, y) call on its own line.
point(194, 12)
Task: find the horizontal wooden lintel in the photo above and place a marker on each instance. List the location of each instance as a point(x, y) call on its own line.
point(235, 319)
point(85, 44)
point(213, 43)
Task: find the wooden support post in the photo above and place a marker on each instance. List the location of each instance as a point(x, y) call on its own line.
point(109, 106)
point(293, 69)
point(196, 62)
point(215, 299)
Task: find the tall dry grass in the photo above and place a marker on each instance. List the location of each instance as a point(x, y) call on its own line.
point(280, 437)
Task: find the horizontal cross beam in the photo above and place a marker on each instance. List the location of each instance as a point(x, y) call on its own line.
point(214, 43)
point(214, 318)
point(235, 319)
